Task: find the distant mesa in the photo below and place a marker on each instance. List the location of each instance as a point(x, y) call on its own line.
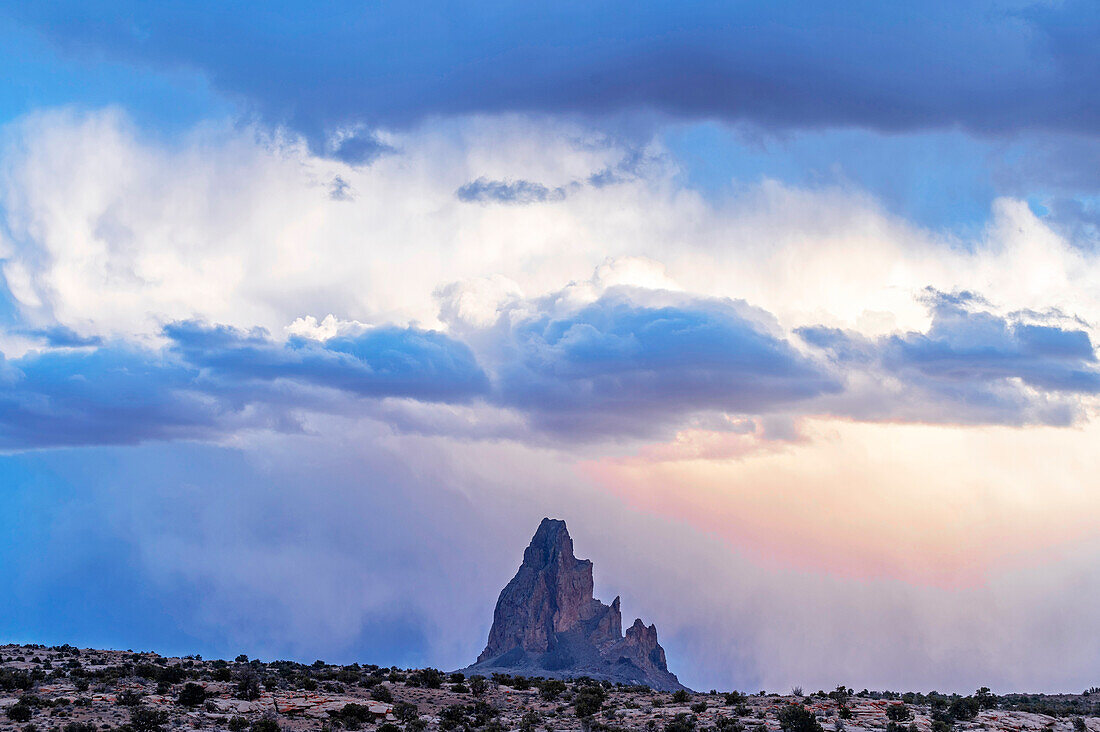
point(547, 623)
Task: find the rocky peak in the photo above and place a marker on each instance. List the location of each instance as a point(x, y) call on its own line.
point(645, 640)
point(551, 593)
point(547, 623)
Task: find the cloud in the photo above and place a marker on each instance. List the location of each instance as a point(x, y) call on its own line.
point(1027, 65)
point(62, 336)
point(376, 362)
point(359, 148)
point(971, 365)
point(622, 367)
point(483, 190)
point(211, 381)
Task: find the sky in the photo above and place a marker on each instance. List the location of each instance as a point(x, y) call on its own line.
point(310, 312)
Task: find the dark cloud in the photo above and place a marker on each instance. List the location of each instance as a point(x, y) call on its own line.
point(378, 362)
point(631, 364)
point(211, 380)
point(616, 367)
point(60, 336)
point(484, 190)
point(360, 149)
point(970, 366)
point(989, 66)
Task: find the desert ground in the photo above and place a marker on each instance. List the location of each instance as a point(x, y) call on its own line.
point(65, 689)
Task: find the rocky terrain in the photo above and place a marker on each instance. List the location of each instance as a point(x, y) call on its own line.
point(548, 624)
point(64, 689)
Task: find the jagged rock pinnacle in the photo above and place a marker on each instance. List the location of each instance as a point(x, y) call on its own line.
point(547, 623)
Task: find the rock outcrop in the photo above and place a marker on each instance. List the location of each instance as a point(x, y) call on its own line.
point(547, 623)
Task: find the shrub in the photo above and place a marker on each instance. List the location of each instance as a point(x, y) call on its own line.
point(699, 707)
point(81, 727)
point(460, 688)
point(405, 711)
point(381, 693)
point(589, 700)
point(722, 723)
point(844, 712)
point(458, 677)
point(192, 695)
point(796, 718)
point(681, 697)
point(898, 713)
point(222, 673)
point(144, 719)
point(248, 684)
point(551, 689)
point(129, 698)
point(796, 691)
point(965, 708)
point(734, 698)
point(265, 725)
point(20, 712)
point(429, 678)
point(682, 722)
point(478, 685)
point(530, 721)
point(353, 715)
point(388, 727)
point(1079, 724)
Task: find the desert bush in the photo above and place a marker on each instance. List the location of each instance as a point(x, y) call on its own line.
point(248, 684)
point(734, 698)
point(796, 718)
point(429, 678)
point(681, 697)
point(352, 715)
point(80, 727)
point(898, 713)
point(722, 723)
point(405, 711)
point(699, 707)
point(844, 712)
point(478, 685)
point(457, 677)
point(682, 722)
point(1079, 724)
point(530, 721)
point(222, 673)
point(965, 708)
point(460, 688)
point(192, 695)
point(796, 691)
point(145, 719)
point(14, 678)
point(381, 693)
point(236, 724)
point(589, 700)
point(20, 712)
point(551, 689)
point(264, 725)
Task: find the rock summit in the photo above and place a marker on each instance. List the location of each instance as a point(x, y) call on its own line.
point(547, 623)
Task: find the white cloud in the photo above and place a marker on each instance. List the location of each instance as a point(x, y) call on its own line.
point(114, 232)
